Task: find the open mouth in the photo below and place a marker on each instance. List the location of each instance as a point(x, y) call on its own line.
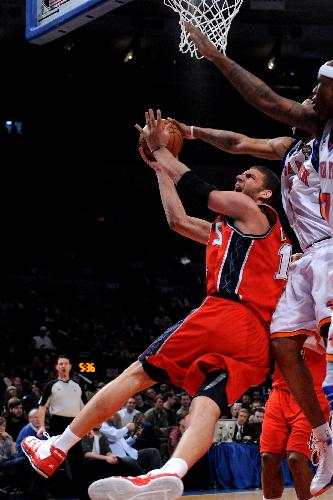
point(238, 188)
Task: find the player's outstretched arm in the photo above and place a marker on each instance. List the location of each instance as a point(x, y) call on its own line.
point(235, 143)
point(178, 220)
point(238, 206)
point(254, 90)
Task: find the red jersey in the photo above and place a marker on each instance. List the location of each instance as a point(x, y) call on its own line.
point(248, 268)
point(316, 363)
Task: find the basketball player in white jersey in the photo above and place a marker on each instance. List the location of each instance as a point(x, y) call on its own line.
point(302, 308)
point(313, 121)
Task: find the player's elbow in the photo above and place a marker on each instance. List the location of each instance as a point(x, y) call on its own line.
point(176, 223)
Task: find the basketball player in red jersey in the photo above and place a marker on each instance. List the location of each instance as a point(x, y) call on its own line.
point(287, 432)
point(221, 348)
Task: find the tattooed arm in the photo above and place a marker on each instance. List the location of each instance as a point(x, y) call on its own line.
point(254, 90)
point(232, 142)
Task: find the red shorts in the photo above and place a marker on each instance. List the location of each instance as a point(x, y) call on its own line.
point(220, 334)
point(285, 427)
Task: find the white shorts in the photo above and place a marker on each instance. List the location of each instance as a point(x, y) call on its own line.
point(302, 308)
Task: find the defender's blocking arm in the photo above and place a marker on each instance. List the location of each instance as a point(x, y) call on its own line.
point(235, 143)
point(254, 90)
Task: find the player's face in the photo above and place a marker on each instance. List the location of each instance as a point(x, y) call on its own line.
point(323, 97)
point(250, 182)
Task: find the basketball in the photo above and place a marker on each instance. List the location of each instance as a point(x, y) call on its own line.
point(174, 145)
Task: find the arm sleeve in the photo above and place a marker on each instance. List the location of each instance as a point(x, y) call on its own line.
point(130, 441)
point(112, 433)
point(84, 397)
point(47, 391)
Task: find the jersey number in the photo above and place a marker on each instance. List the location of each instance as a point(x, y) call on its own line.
point(325, 203)
point(285, 256)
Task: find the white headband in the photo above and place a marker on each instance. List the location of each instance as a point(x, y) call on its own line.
point(326, 70)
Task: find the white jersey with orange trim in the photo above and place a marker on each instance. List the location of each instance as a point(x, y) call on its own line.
point(302, 308)
point(326, 173)
point(300, 187)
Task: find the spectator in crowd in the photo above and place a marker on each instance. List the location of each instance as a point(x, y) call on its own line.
point(234, 410)
point(141, 461)
point(31, 397)
point(158, 418)
point(7, 445)
point(43, 341)
point(29, 429)
point(11, 392)
point(98, 459)
point(246, 401)
point(169, 401)
point(164, 388)
point(185, 401)
point(256, 424)
point(15, 417)
point(257, 394)
point(17, 383)
point(150, 397)
point(128, 413)
point(140, 405)
point(32, 483)
point(242, 429)
point(177, 432)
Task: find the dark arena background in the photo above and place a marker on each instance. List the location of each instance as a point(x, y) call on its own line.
point(85, 247)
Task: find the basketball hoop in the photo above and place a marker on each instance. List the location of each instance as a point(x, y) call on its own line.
point(212, 17)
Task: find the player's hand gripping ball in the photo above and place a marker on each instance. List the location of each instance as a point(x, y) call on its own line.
point(174, 145)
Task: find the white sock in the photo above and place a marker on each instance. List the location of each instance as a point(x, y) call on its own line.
point(277, 498)
point(322, 432)
point(66, 440)
point(176, 466)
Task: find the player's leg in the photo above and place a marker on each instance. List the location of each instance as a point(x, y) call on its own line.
point(271, 475)
point(198, 356)
point(298, 450)
point(295, 318)
point(273, 442)
point(302, 474)
point(46, 456)
point(165, 483)
point(205, 410)
point(323, 295)
point(287, 354)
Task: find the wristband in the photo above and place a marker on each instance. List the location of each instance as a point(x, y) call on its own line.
point(191, 186)
point(191, 129)
point(156, 148)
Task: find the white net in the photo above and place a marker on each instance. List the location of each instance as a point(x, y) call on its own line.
point(212, 17)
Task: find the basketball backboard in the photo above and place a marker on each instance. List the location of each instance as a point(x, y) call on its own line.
point(47, 20)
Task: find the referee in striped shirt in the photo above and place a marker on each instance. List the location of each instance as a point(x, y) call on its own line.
point(64, 399)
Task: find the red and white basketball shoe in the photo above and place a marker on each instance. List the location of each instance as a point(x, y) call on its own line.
point(44, 457)
point(152, 486)
point(323, 479)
